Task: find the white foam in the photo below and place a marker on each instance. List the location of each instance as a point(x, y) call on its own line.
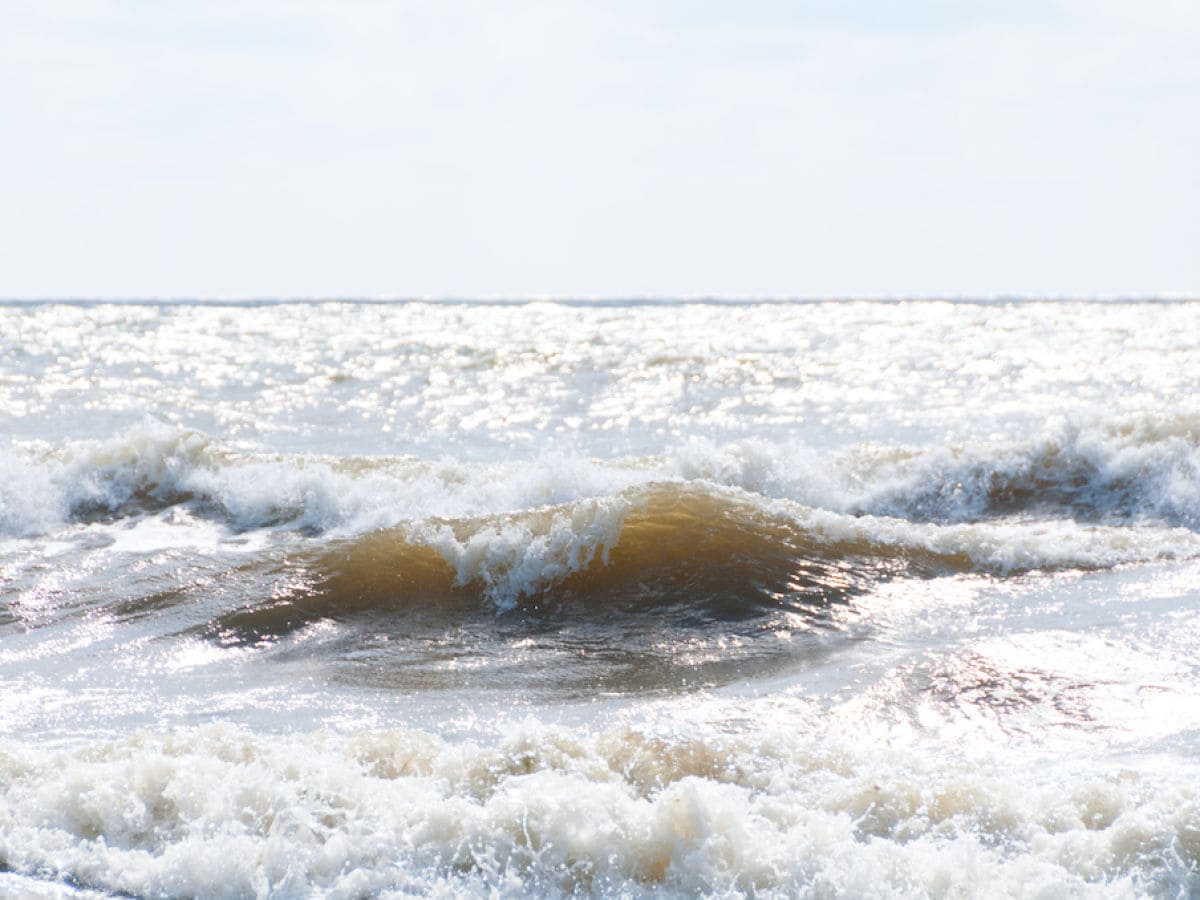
point(1108, 469)
point(1003, 548)
point(160, 464)
point(24, 887)
point(30, 502)
point(520, 557)
point(218, 812)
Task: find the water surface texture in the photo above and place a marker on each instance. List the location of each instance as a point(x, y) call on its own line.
point(615, 599)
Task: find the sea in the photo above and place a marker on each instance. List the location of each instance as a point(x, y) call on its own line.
point(600, 599)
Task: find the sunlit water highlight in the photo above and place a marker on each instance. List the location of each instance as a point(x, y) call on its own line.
point(828, 599)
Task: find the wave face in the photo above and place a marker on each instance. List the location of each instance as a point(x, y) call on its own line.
point(624, 599)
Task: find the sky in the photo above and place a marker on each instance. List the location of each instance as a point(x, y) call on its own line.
point(657, 148)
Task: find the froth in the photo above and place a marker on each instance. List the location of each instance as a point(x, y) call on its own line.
point(157, 466)
point(514, 558)
point(1105, 471)
point(220, 812)
point(1109, 471)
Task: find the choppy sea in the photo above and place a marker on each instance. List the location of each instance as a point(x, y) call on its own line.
point(829, 599)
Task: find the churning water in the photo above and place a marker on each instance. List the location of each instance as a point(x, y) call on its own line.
point(828, 599)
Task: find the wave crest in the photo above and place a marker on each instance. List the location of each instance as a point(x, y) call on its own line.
point(679, 550)
point(1114, 472)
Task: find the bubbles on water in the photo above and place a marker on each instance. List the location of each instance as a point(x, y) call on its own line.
point(613, 812)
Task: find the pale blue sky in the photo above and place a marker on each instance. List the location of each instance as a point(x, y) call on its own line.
point(266, 148)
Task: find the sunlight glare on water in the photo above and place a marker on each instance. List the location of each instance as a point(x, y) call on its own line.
point(830, 599)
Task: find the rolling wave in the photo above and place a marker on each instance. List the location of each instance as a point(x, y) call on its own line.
point(1124, 471)
point(740, 527)
point(687, 552)
point(1116, 472)
point(664, 550)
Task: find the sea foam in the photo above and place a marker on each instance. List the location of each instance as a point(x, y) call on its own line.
point(217, 811)
point(1121, 470)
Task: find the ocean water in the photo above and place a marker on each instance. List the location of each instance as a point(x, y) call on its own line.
point(600, 599)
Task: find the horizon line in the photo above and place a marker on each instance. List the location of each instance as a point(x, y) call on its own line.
point(583, 300)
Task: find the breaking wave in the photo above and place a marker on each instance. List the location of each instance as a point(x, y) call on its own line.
point(744, 524)
point(156, 467)
point(1112, 472)
point(712, 552)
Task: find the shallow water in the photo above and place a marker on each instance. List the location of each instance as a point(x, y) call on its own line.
point(830, 599)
